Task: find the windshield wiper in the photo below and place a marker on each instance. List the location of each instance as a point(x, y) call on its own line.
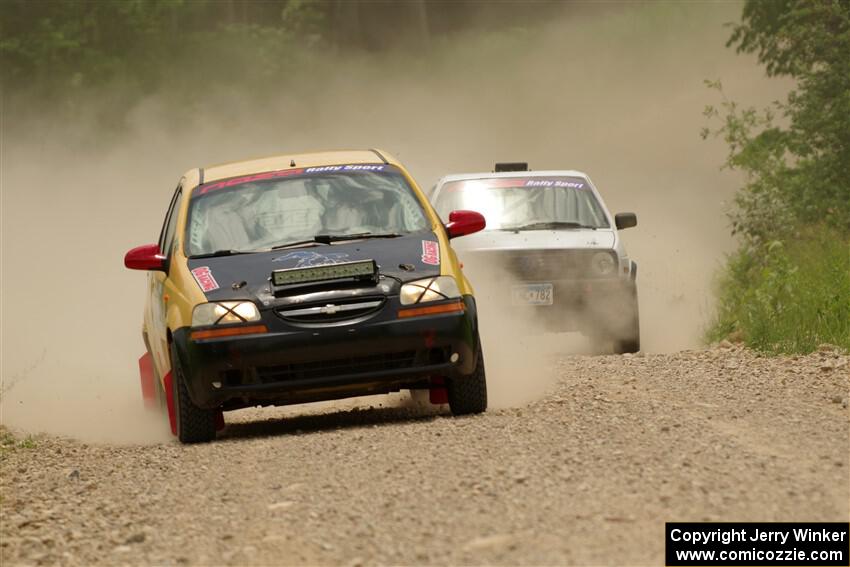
point(328, 238)
point(218, 253)
point(297, 243)
point(548, 224)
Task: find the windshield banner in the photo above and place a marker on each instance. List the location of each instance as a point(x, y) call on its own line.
point(518, 182)
point(267, 175)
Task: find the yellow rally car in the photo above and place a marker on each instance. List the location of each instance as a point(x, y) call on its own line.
point(300, 278)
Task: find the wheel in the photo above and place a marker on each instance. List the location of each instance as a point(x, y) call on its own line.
point(193, 424)
point(468, 394)
point(627, 346)
point(630, 341)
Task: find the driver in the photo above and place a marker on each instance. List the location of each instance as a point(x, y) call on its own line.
point(344, 207)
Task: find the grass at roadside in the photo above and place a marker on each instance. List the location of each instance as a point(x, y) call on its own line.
point(9, 442)
point(788, 298)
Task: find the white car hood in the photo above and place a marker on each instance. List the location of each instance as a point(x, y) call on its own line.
point(535, 240)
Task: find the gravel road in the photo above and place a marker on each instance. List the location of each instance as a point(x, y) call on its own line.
point(587, 475)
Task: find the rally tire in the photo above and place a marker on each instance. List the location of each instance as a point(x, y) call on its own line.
point(468, 394)
point(631, 342)
point(628, 346)
point(193, 424)
point(161, 396)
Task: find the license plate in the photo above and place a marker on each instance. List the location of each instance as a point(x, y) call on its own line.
point(533, 294)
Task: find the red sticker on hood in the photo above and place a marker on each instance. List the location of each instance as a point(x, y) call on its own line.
point(205, 279)
point(430, 253)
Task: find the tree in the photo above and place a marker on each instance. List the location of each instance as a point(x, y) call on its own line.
point(796, 153)
point(787, 287)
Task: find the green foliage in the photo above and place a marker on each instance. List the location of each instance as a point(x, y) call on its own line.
point(8, 441)
point(791, 298)
point(786, 289)
point(55, 46)
point(796, 153)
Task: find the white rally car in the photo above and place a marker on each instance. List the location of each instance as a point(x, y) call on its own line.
point(550, 248)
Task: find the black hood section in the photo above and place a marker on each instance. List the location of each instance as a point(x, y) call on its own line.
point(247, 276)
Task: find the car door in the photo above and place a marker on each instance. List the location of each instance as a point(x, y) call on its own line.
point(158, 330)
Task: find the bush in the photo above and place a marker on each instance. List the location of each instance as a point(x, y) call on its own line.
point(788, 297)
point(787, 288)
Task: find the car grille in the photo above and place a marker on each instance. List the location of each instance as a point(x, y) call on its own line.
point(537, 265)
point(337, 367)
point(330, 312)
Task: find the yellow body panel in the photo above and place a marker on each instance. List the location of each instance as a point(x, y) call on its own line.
point(177, 292)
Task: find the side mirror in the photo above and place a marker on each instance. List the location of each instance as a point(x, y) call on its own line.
point(146, 257)
point(625, 220)
point(462, 223)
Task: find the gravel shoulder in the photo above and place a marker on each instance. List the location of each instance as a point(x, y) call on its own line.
point(587, 475)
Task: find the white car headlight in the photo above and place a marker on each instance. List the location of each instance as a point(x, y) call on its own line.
point(430, 289)
point(603, 263)
point(224, 313)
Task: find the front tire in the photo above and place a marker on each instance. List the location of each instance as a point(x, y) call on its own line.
point(468, 394)
point(193, 424)
point(630, 342)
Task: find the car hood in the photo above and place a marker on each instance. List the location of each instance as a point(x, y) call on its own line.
point(247, 276)
point(535, 240)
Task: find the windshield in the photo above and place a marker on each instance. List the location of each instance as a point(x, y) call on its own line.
point(525, 203)
point(257, 212)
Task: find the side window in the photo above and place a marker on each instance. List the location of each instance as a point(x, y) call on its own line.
point(171, 224)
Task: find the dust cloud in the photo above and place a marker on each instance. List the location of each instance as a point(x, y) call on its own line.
point(520, 359)
point(613, 90)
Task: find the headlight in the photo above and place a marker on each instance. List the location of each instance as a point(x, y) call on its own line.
point(431, 289)
point(224, 313)
point(603, 264)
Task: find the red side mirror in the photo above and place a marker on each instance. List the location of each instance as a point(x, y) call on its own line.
point(465, 222)
point(146, 257)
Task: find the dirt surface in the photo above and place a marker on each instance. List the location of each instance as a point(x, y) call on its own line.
point(587, 475)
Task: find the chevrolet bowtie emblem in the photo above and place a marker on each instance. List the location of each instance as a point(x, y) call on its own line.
point(329, 309)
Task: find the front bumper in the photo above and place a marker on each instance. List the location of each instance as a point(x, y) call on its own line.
point(295, 364)
point(577, 305)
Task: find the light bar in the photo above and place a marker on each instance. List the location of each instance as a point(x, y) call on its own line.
point(511, 166)
point(359, 269)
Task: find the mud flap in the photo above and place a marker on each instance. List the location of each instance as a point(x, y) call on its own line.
point(219, 420)
point(438, 394)
point(169, 397)
point(147, 377)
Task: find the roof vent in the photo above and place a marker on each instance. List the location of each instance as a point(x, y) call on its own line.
point(511, 166)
